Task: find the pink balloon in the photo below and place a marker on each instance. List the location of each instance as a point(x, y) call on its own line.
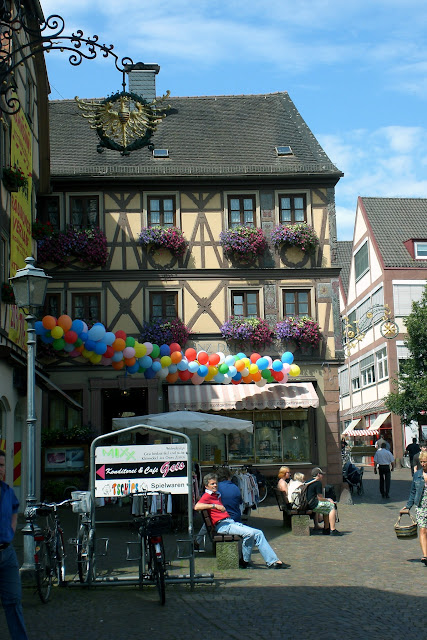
point(106, 361)
point(196, 379)
point(286, 368)
point(149, 347)
point(128, 352)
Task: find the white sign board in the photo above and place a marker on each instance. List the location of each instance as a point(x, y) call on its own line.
point(125, 469)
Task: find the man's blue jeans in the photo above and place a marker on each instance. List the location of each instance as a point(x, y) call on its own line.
point(250, 537)
point(10, 593)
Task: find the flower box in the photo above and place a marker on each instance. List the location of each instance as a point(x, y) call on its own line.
point(7, 294)
point(165, 332)
point(301, 235)
point(304, 331)
point(41, 230)
point(255, 331)
point(170, 238)
point(14, 179)
point(89, 246)
point(243, 243)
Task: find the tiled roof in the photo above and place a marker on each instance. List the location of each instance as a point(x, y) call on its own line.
point(393, 221)
point(344, 249)
point(209, 135)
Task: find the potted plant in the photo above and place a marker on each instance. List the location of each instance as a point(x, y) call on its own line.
point(243, 243)
point(14, 178)
point(165, 332)
point(88, 245)
point(304, 331)
point(300, 235)
point(41, 230)
point(256, 331)
point(7, 294)
point(170, 238)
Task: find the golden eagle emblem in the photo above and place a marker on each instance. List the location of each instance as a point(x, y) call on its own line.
point(125, 121)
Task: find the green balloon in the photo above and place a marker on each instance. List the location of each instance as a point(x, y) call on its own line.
point(78, 342)
point(155, 352)
point(58, 344)
point(130, 342)
point(265, 373)
point(223, 368)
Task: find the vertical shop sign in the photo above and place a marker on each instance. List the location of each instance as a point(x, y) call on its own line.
point(21, 156)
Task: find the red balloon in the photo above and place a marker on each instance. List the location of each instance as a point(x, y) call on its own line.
point(185, 375)
point(214, 359)
point(236, 381)
point(70, 337)
point(278, 375)
point(174, 347)
point(202, 357)
point(190, 354)
point(121, 334)
point(109, 353)
point(254, 357)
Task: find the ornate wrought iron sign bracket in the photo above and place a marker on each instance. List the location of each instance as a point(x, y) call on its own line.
point(355, 331)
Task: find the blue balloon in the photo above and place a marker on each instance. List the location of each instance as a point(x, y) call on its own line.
point(203, 371)
point(165, 350)
point(240, 356)
point(288, 357)
point(109, 338)
point(237, 376)
point(47, 339)
point(231, 371)
point(90, 345)
point(83, 336)
point(117, 356)
point(219, 377)
point(156, 366)
point(77, 326)
point(149, 373)
point(193, 366)
point(183, 365)
point(40, 330)
point(262, 363)
point(173, 368)
point(133, 369)
point(97, 332)
point(229, 360)
point(100, 348)
point(68, 347)
point(145, 362)
point(277, 365)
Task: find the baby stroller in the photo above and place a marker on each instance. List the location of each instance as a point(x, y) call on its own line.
point(353, 476)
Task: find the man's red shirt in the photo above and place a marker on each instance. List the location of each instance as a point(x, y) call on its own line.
point(215, 515)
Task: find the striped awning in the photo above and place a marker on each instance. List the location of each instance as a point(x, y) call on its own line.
point(379, 421)
point(351, 427)
point(362, 432)
point(217, 397)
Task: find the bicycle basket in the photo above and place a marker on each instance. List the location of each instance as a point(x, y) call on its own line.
point(83, 501)
point(406, 531)
point(157, 524)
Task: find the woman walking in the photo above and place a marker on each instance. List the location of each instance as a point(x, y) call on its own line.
point(418, 497)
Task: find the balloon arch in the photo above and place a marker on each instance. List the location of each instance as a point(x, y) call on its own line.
point(168, 362)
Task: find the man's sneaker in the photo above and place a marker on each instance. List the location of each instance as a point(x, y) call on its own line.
point(326, 532)
point(244, 565)
point(335, 532)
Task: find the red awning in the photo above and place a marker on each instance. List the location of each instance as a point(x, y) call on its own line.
point(217, 397)
point(362, 432)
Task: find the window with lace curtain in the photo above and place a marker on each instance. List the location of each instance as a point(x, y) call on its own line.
point(84, 211)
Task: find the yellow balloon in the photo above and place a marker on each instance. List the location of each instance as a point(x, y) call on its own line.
point(165, 361)
point(294, 371)
point(57, 332)
point(87, 354)
point(253, 368)
point(246, 361)
point(95, 358)
point(140, 350)
point(211, 373)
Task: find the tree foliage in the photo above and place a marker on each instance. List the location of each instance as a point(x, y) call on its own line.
point(410, 399)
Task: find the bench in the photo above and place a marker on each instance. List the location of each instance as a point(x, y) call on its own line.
point(298, 521)
point(225, 546)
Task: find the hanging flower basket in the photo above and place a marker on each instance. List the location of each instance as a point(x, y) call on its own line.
point(170, 238)
point(14, 179)
point(304, 331)
point(243, 243)
point(301, 235)
point(88, 245)
point(41, 230)
point(165, 332)
point(256, 331)
point(7, 294)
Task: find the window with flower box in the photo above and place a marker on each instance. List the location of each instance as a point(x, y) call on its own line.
point(161, 211)
point(52, 305)
point(48, 210)
point(296, 302)
point(367, 370)
point(84, 211)
point(241, 211)
point(382, 365)
point(292, 208)
point(86, 306)
point(163, 305)
point(244, 304)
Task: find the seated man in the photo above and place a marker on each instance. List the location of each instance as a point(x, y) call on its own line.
point(224, 524)
point(319, 504)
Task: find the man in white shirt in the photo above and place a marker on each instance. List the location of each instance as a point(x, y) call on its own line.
point(384, 462)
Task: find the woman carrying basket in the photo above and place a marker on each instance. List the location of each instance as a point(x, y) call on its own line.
point(418, 496)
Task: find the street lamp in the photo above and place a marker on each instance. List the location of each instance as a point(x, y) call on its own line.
point(29, 287)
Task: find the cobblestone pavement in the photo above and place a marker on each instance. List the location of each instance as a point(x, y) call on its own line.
point(365, 585)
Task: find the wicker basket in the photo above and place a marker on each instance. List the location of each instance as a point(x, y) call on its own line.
point(406, 531)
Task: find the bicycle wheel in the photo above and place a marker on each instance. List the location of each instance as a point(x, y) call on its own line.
point(158, 573)
point(60, 557)
point(262, 490)
point(83, 553)
point(44, 569)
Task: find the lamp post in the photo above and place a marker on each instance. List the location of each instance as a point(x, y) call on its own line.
point(29, 286)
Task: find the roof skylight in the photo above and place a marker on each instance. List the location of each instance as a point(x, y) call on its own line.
point(160, 153)
point(284, 151)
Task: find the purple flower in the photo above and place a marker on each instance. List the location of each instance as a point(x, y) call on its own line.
point(165, 332)
point(88, 245)
point(256, 331)
point(170, 238)
point(243, 241)
point(303, 330)
point(300, 235)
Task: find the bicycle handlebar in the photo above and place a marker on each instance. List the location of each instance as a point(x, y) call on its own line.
point(149, 493)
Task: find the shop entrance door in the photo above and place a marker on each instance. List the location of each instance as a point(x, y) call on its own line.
point(117, 403)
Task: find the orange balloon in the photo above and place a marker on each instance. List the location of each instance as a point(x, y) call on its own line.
point(172, 377)
point(256, 376)
point(64, 322)
point(247, 379)
point(240, 365)
point(81, 348)
point(129, 362)
point(118, 365)
point(119, 344)
point(176, 356)
point(49, 322)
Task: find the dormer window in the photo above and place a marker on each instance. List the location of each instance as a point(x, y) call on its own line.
point(420, 250)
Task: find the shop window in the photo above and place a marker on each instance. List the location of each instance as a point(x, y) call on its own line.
point(48, 210)
point(296, 303)
point(361, 261)
point(296, 436)
point(292, 209)
point(161, 211)
point(367, 370)
point(244, 304)
point(52, 305)
point(163, 305)
point(268, 437)
point(62, 415)
point(84, 211)
point(355, 376)
point(212, 448)
point(241, 211)
point(382, 366)
point(86, 306)
point(240, 447)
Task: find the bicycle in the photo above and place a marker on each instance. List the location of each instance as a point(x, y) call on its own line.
point(49, 547)
point(85, 541)
point(152, 560)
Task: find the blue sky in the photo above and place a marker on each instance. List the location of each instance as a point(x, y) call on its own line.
point(356, 70)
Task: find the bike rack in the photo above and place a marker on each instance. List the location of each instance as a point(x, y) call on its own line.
point(186, 545)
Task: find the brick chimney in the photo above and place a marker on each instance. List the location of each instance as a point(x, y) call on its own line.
point(142, 80)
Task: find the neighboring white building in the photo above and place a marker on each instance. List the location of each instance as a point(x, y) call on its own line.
point(386, 264)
